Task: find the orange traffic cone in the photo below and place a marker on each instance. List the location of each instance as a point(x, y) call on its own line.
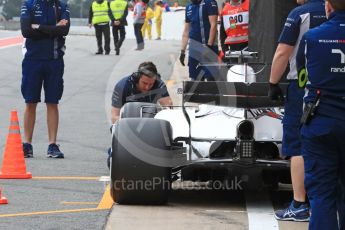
point(3, 199)
point(13, 164)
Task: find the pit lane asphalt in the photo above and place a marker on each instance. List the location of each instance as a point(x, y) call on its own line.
point(83, 134)
point(72, 183)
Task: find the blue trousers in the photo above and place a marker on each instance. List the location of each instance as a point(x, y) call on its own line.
point(139, 35)
point(323, 150)
point(198, 55)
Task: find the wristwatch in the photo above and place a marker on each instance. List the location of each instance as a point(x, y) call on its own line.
point(35, 26)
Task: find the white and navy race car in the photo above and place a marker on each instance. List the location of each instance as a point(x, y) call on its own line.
point(223, 132)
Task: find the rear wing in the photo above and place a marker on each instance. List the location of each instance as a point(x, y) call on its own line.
point(232, 94)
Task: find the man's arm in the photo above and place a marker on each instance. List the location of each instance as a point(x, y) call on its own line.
point(212, 12)
point(300, 57)
point(213, 29)
point(123, 19)
point(90, 16)
point(117, 100)
point(185, 36)
point(25, 24)
point(222, 35)
point(280, 62)
point(62, 27)
point(110, 14)
point(115, 114)
point(165, 101)
point(287, 41)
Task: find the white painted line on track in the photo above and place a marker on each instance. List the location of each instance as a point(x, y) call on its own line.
point(104, 179)
point(260, 212)
point(226, 211)
point(9, 46)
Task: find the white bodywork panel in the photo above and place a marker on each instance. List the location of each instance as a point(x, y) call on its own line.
point(220, 123)
point(237, 74)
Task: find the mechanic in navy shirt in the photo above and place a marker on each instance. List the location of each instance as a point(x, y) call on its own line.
point(322, 55)
point(299, 21)
point(44, 24)
point(201, 32)
point(143, 86)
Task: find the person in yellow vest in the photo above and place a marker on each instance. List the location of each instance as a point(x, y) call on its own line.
point(99, 17)
point(158, 17)
point(119, 9)
point(147, 27)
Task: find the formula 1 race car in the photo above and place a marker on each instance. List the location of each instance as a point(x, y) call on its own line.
point(223, 132)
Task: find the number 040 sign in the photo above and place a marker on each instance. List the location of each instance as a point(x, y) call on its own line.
point(232, 21)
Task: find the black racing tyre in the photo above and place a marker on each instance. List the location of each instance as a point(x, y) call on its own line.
point(139, 109)
point(140, 169)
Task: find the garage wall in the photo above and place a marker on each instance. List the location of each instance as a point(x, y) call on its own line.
point(266, 21)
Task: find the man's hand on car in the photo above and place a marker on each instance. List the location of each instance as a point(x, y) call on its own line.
point(182, 57)
point(275, 93)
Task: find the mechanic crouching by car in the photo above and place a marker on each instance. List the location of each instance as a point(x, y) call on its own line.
point(299, 21)
point(321, 56)
point(144, 85)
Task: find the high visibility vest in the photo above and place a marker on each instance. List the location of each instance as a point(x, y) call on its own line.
point(100, 12)
point(118, 8)
point(235, 21)
point(143, 13)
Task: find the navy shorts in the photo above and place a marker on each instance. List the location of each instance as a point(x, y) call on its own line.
point(46, 73)
point(293, 111)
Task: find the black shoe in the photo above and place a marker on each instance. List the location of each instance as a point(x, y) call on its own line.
point(27, 149)
point(99, 53)
point(107, 53)
point(117, 51)
point(54, 151)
